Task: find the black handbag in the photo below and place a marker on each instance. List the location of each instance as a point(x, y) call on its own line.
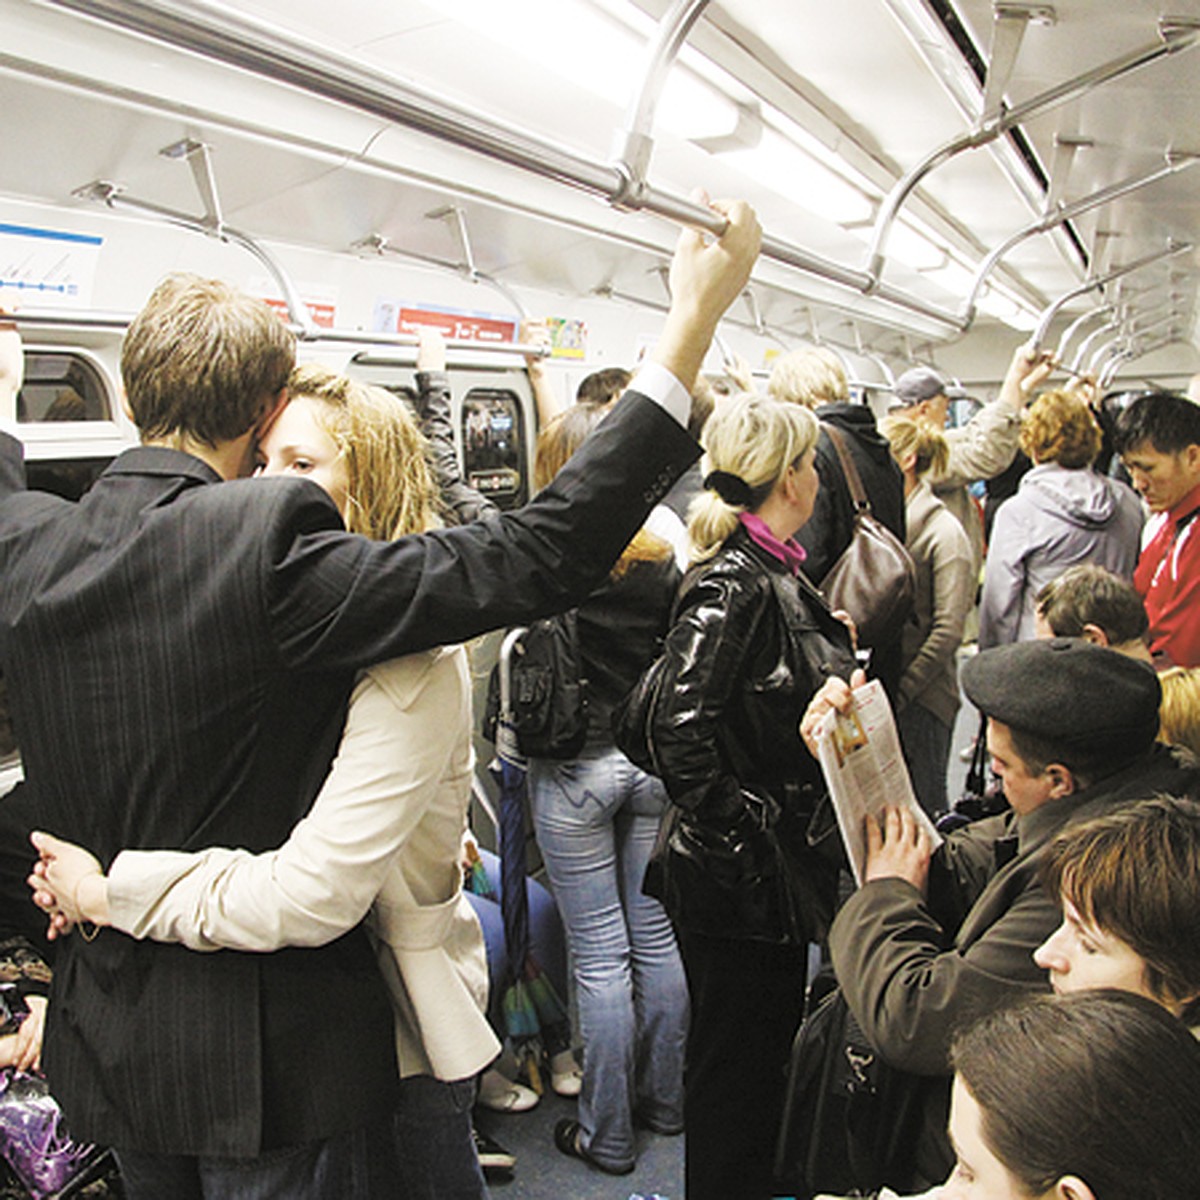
point(547, 690)
point(874, 579)
point(850, 1121)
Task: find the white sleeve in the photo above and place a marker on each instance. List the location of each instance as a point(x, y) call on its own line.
point(322, 880)
point(655, 382)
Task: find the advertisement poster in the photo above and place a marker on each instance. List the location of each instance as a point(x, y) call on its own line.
point(46, 268)
point(568, 339)
point(320, 300)
point(454, 324)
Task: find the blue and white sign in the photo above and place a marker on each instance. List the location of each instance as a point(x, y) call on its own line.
point(46, 268)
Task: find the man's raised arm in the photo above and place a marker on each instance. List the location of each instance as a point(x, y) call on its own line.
point(12, 370)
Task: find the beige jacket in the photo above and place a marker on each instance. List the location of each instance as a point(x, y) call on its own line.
point(384, 835)
point(944, 594)
point(980, 449)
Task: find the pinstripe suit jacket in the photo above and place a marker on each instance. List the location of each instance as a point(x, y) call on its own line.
point(179, 657)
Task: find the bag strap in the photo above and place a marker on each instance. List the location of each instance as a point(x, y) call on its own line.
point(849, 470)
point(976, 779)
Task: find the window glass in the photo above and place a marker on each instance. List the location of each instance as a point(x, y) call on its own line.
point(494, 446)
point(60, 386)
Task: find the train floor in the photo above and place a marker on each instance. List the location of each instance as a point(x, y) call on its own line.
point(542, 1173)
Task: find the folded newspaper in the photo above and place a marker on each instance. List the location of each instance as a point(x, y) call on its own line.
point(865, 770)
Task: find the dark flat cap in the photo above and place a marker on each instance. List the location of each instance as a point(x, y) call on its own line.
point(923, 383)
point(1069, 692)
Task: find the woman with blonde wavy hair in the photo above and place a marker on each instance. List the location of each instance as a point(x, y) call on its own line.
point(596, 817)
point(1063, 513)
point(382, 839)
point(750, 643)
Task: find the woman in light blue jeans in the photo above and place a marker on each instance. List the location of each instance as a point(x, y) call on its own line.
point(596, 817)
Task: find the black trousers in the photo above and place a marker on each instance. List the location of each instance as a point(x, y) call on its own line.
point(746, 1002)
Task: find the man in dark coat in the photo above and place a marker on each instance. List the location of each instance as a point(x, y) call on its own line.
point(816, 378)
point(179, 655)
point(925, 946)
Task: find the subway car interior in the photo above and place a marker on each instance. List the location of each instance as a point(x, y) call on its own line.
point(939, 182)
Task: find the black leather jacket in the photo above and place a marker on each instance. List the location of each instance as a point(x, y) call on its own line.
point(749, 646)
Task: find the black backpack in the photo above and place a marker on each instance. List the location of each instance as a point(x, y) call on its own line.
point(547, 693)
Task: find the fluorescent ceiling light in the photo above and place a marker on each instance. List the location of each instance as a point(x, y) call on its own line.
point(783, 167)
point(593, 51)
point(1002, 305)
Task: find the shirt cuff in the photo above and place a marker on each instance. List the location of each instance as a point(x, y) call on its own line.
point(656, 383)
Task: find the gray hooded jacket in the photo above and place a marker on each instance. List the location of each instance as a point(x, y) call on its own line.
point(1059, 517)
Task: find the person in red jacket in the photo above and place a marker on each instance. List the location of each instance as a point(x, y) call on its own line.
point(1158, 438)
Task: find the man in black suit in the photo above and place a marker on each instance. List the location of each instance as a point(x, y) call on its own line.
point(179, 657)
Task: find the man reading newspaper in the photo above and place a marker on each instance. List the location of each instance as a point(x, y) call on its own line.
point(931, 941)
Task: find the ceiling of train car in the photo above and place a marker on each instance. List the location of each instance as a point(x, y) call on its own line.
point(851, 95)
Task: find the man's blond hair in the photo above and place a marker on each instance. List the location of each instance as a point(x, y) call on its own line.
point(811, 377)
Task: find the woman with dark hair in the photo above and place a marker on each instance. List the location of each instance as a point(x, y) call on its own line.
point(1063, 513)
point(751, 642)
point(596, 817)
point(1129, 883)
point(1094, 1096)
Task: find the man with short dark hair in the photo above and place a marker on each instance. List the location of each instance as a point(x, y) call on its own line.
point(925, 946)
point(180, 655)
point(603, 387)
point(1158, 439)
point(1089, 602)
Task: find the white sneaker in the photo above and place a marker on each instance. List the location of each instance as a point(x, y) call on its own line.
point(566, 1075)
point(503, 1095)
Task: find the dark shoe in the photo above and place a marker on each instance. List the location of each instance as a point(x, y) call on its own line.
point(492, 1156)
point(566, 1138)
point(641, 1121)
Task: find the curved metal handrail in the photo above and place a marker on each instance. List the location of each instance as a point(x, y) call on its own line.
point(1174, 162)
point(1174, 36)
point(1052, 310)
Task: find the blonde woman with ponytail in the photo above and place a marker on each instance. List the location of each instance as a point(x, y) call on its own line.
point(750, 642)
point(928, 699)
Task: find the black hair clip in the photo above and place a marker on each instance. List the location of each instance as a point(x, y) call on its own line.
point(733, 489)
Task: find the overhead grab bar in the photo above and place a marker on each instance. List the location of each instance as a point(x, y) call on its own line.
point(1173, 162)
point(1076, 325)
point(1175, 34)
point(1052, 310)
point(1114, 364)
point(635, 142)
point(103, 191)
point(1087, 343)
point(221, 34)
